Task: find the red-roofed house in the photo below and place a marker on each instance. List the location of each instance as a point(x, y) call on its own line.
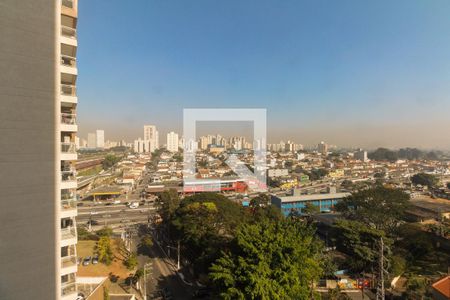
point(441, 289)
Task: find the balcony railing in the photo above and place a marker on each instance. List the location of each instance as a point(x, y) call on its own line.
point(69, 119)
point(68, 261)
point(67, 3)
point(68, 288)
point(68, 196)
point(68, 148)
point(68, 233)
point(69, 61)
point(68, 175)
point(68, 32)
point(68, 204)
point(68, 90)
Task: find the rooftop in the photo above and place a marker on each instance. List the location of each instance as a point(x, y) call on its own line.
point(443, 286)
point(313, 197)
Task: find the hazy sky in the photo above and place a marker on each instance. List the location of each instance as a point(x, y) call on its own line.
point(352, 73)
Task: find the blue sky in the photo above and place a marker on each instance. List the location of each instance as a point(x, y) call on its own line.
point(353, 73)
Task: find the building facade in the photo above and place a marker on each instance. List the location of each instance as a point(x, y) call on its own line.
point(172, 142)
point(151, 134)
point(38, 104)
point(99, 139)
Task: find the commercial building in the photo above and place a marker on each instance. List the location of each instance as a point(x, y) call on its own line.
point(325, 202)
point(172, 142)
point(38, 104)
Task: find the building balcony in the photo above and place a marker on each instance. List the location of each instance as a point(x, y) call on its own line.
point(68, 151)
point(68, 264)
point(68, 90)
point(68, 94)
point(68, 206)
point(68, 32)
point(68, 122)
point(68, 3)
point(68, 290)
point(68, 236)
point(68, 179)
point(68, 65)
point(68, 61)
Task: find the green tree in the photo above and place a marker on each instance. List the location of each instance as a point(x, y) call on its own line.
point(104, 250)
point(105, 231)
point(378, 207)
point(109, 161)
point(359, 242)
point(269, 260)
point(336, 294)
point(145, 245)
point(131, 261)
point(310, 209)
point(169, 202)
point(397, 265)
point(448, 185)
point(204, 223)
point(425, 180)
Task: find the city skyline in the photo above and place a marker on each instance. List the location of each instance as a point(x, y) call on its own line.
point(364, 77)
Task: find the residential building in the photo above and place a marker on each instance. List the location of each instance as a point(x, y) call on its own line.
point(91, 141)
point(152, 135)
point(172, 142)
point(322, 148)
point(99, 139)
point(441, 289)
point(361, 155)
point(38, 104)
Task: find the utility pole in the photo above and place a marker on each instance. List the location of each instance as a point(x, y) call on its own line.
point(178, 264)
point(147, 269)
point(380, 285)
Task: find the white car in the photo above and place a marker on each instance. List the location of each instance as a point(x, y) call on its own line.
point(116, 202)
point(134, 205)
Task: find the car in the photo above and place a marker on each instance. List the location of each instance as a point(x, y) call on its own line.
point(95, 260)
point(92, 222)
point(86, 260)
point(134, 205)
point(78, 261)
point(116, 202)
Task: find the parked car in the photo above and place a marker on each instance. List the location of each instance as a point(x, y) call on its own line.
point(92, 222)
point(134, 205)
point(95, 260)
point(116, 202)
point(86, 260)
point(78, 261)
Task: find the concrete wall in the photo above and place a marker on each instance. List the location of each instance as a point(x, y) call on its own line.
point(28, 218)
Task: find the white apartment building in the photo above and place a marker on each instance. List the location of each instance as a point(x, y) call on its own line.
point(91, 141)
point(38, 238)
point(361, 155)
point(172, 142)
point(151, 134)
point(99, 139)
